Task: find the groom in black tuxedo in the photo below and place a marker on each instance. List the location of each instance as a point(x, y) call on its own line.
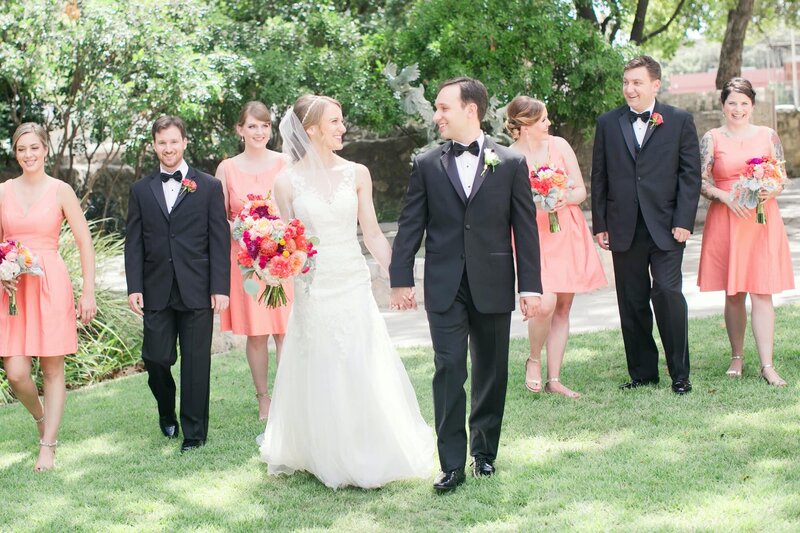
point(645, 189)
point(466, 197)
point(177, 265)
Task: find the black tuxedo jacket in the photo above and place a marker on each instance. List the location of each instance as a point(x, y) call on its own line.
point(663, 179)
point(473, 233)
point(192, 243)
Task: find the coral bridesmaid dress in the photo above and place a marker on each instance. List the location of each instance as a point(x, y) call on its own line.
point(569, 259)
point(738, 254)
point(245, 316)
point(45, 324)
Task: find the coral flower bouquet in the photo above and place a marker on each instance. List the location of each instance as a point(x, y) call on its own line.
point(549, 185)
point(761, 174)
point(16, 259)
point(270, 248)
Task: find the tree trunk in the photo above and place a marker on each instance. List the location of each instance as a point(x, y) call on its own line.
point(730, 56)
point(637, 30)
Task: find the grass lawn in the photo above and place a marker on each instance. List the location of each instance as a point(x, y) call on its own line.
point(724, 458)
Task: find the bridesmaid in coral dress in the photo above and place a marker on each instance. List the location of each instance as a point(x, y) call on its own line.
point(253, 172)
point(570, 263)
point(32, 208)
point(738, 255)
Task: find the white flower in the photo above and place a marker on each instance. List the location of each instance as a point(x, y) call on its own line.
point(9, 270)
point(490, 159)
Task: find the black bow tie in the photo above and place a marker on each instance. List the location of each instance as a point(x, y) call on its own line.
point(166, 177)
point(633, 115)
point(473, 148)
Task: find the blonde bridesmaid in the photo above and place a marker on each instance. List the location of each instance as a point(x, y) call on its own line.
point(253, 172)
point(32, 209)
point(570, 263)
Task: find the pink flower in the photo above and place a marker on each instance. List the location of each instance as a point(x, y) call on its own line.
point(188, 185)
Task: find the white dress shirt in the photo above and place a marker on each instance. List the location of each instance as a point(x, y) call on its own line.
point(172, 188)
point(467, 165)
point(640, 126)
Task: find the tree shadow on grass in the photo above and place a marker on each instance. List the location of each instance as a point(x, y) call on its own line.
point(721, 458)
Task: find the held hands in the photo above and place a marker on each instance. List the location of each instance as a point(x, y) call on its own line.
point(602, 239)
point(530, 306)
point(733, 204)
point(403, 298)
point(87, 308)
point(219, 303)
point(681, 234)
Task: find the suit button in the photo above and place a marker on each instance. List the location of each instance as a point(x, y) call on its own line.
point(170, 260)
point(639, 178)
point(467, 226)
point(173, 235)
point(462, 256)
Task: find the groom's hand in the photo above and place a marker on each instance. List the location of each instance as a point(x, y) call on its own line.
point(602, 239)
point(136, 302)
point(403, 298)
point(219, 303)
point(530, 306)
point(681, 234)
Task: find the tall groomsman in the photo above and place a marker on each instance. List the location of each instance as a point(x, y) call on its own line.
point(645, 189)
point(177, 265)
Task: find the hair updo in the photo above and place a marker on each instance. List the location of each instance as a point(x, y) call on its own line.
point(310, 107)
point(523, 111)
point(738, 85)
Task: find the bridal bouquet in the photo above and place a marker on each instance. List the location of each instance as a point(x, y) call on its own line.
point(16, 259)
point(762, 174)
point(549, 185)
point(271, 249)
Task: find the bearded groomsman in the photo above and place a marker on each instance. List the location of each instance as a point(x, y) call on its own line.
point(177, 264)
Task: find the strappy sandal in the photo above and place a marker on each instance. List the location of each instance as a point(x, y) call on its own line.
point(260, 395)
point(735, 373)
point(571, 394)
point(778, 382)
point(533, 385)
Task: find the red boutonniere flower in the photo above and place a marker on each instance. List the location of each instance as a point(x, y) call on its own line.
point(188, 185)
point(656, 119)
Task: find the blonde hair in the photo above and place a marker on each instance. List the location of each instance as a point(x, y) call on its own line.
point(257, 110)
point(30, 127)
point(309, 111)
point(523, 111)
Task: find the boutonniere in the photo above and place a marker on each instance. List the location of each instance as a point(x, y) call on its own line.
point(490, 159)
point(656, 119)
point(188, 185)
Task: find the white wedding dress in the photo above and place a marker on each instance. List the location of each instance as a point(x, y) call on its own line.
point(343, 407)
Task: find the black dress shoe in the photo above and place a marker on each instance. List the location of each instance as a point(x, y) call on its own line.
point(681, 386)
point(447, 481)
point(636, 383)
point(169, 426)
point(482, 466)
point(191, 444)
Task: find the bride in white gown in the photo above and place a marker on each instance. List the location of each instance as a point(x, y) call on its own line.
point(343, 407)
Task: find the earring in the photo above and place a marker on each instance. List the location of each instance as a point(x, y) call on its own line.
point(242, 138)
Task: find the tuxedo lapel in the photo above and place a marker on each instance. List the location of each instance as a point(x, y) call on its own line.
point(190, 174)
point(650, 128)
point(480, 175)
point(627, 132)
point(448, 160)
point(158, 192)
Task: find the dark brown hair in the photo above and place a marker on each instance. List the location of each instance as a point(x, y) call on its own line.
point(738, 85)
point(652, 66)
point(29, 127)
point(167, 121)
point(310, 107)
point(257, 110)
point(523, 111)
point(472, 92)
